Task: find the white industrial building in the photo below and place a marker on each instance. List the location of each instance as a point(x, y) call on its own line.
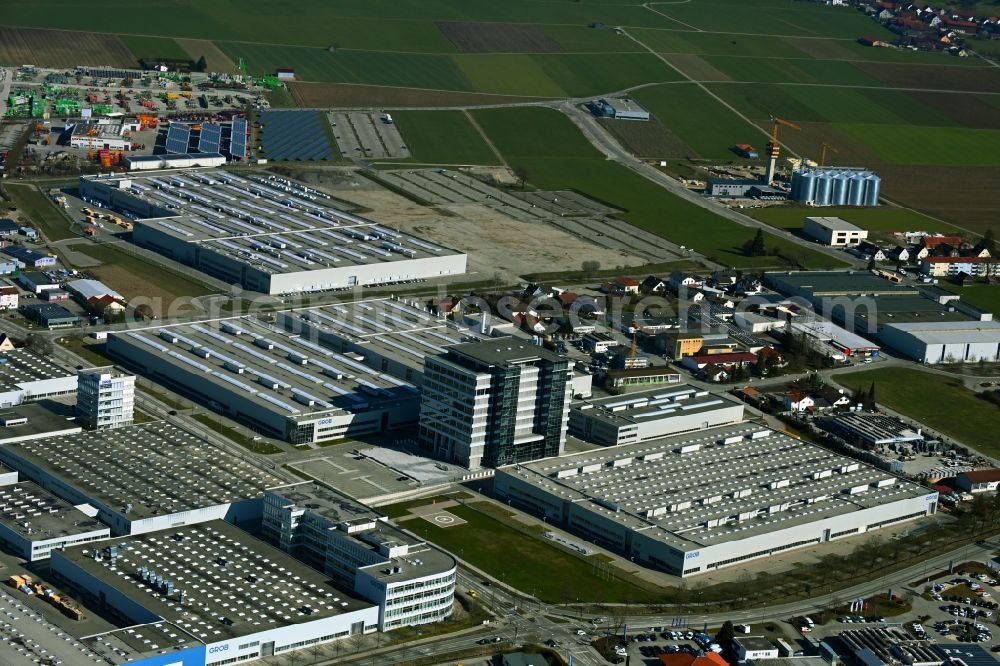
point(411, 581)
point(144, 478)
point(33, 522)
point(95, 135)
point(389, 335)
point(651, 414)
point(834, 231)
point(945, 341)
point(105, 398)
point(206, 594)
point(266, 234)
point(832, 340)
point(182, 161)
point(694, 503)
point(26, 375)
point(277, 384)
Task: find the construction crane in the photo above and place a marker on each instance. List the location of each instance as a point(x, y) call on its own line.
point(822, 155)
point(241, 66)
point(774, 148)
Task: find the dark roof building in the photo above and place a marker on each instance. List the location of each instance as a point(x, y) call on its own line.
point(50, 315)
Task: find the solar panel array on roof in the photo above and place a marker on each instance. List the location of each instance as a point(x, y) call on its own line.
point(295, 135)
point(178, 137)
point(210, 138)
point(238, 139)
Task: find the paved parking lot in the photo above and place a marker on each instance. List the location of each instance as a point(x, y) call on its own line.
point(366, 135)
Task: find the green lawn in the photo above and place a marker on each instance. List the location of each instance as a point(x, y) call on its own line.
point(945, 146)
point(700, 121)
point(555, 155)
point(53, 224)
point(881, 219)
point(940, 402)
point(528, 563)
point(423, 132)
point(154, 47)
point(117, 266)
point(986, 296)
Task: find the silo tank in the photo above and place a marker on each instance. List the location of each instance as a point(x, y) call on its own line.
point(872, 186)
point(856, 190)
point(838, 194)
point(807, 190)
point(796, 185)
point(823, 187)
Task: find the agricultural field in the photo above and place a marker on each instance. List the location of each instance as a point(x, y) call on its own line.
point(555, 155)
point(55, 48)
point(686, 110)
point(647, 139)
point(423, 131)
point(769, 17)
point(348, 95)
point(883, 219)
point(155, 48)
point(937, 400)
point(472, 37)
point(946, 146)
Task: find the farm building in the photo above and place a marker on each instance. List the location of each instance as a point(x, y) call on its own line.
point(834, 231)
point(619, 108)
point(285, 74)
point(276, 237)
point(836, 186)
point(694, 503)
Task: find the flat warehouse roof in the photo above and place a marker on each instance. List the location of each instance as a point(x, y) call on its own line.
point(716, 485)
point(682, 400)
point(233, 584)
point(126, 645)
point(273, 224)
point(820, 283)
point(20, 366)
point(952, 332)
point(826, 330)
point(835, 223)
point(37, 515)
point(277, 371)
point(394, 328)
point(154, 468)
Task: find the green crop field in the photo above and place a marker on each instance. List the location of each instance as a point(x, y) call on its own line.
point(423, 132)
point(772, 17)
point(881, 219)
point(698, 119)
point(937, 400)
point(945, 146)
point(154, 47)
point(527, 562)
point(507, 74)
point(781, 70)
point(555, 155)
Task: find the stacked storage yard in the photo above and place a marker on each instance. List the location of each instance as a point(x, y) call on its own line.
point(836, 186)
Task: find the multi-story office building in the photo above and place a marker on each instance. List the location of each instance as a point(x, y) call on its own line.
point(411, 581)
point(105, 398)
point(495, 402)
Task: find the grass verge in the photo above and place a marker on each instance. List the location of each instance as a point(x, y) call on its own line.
point(53, 224)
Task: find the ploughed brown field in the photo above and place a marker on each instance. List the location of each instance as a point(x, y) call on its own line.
point(59, 48)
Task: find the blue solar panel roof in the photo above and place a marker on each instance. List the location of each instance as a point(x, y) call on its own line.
point(210, 138)
point(178, 137)
point(238, 139)
point(295, 135)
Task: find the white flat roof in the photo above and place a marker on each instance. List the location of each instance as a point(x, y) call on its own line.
point(951, 332)
point(834, 223)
